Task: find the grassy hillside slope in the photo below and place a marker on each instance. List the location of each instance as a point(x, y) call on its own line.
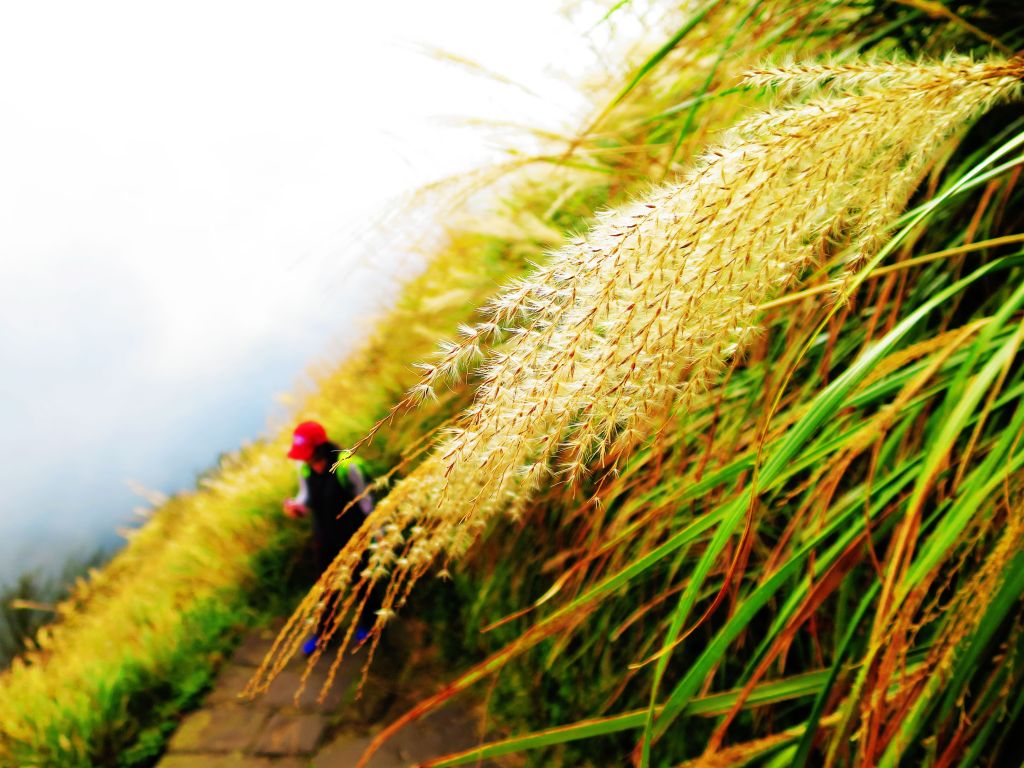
point(682, 610)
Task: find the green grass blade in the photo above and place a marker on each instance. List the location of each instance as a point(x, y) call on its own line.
point(803, 750)
point(657, 57)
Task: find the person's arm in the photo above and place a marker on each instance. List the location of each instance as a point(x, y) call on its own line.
point(359, 486)
point(298, 506)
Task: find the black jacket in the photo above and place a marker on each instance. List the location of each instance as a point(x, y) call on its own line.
point(327, 494)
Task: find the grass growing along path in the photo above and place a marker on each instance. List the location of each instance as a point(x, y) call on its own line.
point(834, 517)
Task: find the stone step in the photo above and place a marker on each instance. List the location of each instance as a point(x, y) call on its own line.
point(291, 734)
point(223, 728)
point(236, 760)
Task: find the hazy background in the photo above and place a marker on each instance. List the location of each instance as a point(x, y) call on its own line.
point(182, 191)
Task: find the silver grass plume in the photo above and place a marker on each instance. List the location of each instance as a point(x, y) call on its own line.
point(580, 360)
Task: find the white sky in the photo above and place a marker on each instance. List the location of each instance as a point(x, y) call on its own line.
point(178, 182)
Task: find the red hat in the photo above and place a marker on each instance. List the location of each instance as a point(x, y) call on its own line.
point(307, 436)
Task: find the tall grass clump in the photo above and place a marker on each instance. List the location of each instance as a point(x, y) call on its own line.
point(681, 552)
point(789, 570)
point(587, 355)
point(146, 628)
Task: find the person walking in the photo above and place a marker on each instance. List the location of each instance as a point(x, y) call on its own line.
point(330, 479)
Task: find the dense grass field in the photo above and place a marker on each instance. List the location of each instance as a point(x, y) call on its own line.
point(721, 461)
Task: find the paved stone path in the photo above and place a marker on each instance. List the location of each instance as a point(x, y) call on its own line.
point(274, 731)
